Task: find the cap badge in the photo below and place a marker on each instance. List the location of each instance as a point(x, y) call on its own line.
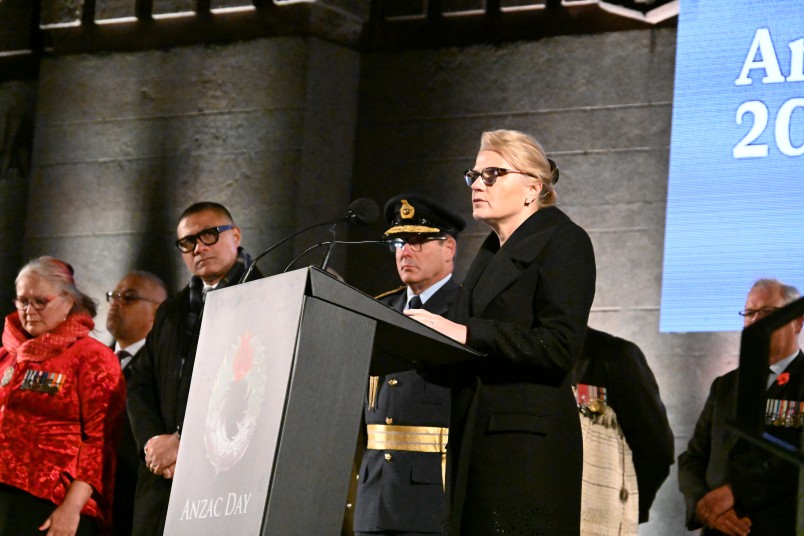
point(407, 211)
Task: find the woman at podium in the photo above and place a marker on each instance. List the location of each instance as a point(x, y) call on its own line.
point(514, 453)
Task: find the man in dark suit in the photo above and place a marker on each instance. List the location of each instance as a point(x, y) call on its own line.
point(400, 485)
point(132, 306)
point(729, 486)
point(209, 242)
point(616, 388)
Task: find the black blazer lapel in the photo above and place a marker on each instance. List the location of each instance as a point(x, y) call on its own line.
point(522, 248)
point(399, 302)
point(440, 301)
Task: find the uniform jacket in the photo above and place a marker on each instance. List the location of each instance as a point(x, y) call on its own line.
point(158, 388)
point(632, 392)
point(514, 452)
point(48, 440)
point(406, 493)
point(764, 486)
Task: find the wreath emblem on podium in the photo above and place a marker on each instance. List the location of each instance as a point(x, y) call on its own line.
point(235, 403)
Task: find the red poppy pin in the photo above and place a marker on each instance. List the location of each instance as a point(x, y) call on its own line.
point(783, 378)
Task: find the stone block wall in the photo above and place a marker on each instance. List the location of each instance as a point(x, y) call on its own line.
point(16, 118)
point(125, 142)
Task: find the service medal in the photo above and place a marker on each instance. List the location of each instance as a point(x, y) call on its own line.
point(7, 375)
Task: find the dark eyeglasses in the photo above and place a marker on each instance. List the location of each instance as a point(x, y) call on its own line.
point(37, 303)
point(415, 243)
point(207, 237)
point(126, 297)
point(759, 313)
point(490, 175)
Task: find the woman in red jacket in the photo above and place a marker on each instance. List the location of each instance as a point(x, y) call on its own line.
point(62, 395)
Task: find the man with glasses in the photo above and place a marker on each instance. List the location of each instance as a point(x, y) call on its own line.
point(400, 482)
point(729, 486)
point(209, 243)
point(132, 306)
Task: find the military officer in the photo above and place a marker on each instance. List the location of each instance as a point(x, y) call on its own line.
point(400, 483)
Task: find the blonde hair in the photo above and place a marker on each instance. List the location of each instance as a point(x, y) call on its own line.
point(525, 154)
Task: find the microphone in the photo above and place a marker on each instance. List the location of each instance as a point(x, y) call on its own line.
point(362, 211)
point(384, 243)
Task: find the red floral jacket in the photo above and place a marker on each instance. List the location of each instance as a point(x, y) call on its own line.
point(62, 397)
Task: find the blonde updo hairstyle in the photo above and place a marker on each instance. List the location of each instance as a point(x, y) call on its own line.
point(525, 154)
point(60, 274)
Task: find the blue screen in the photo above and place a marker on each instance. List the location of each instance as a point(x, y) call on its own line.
point(735, 206)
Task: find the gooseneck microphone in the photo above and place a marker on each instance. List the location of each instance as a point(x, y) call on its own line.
point(383, 243)
point(362, 211)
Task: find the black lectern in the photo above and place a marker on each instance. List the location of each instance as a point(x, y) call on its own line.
point(274, 406)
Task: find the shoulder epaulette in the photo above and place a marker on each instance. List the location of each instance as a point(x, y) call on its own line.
point(388, 293)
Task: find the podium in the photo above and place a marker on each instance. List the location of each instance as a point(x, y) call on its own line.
point(275, 403)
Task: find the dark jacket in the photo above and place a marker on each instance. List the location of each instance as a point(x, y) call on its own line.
point(632, 392)
point(514, 452)
point(764, 486)
point(159, 385)
point(405, 493)
point(128, 462)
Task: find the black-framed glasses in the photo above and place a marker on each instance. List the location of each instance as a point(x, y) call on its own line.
point(414, 242)
point(758, 313)
point(38, 302)
point(490, 175)
point(126, 297)
point(207, 237)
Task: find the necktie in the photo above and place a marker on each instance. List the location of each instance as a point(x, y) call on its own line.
point(415, 303)
point(125, 359)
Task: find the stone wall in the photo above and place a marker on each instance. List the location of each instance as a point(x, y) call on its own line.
point(125, 142)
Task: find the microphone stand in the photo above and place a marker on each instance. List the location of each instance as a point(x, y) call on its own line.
point(329, 249)
point(316, 246)
point(270, 249)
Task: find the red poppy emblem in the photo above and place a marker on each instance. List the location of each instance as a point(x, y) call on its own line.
point(783, 378)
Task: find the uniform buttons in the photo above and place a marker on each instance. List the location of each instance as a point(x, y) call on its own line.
point(389, 420)
point(388, 457)
point(393, 381)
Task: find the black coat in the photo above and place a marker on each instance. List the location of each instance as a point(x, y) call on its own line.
point(159, 386)
point(405, 493)
point(764, 486)
point(128, 461)
point(514, 452)
point(620, 366)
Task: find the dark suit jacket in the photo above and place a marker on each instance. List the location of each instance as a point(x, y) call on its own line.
point(764, 486)
point(158, 388)
point(128, 461)
point(620, 366)
point(405, 494)
point(514, 453)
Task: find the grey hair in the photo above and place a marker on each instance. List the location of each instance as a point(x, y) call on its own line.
point(789, 292)
point(60, 274)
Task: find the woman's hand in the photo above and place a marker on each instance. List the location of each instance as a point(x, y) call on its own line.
point(65, 518)
point(439, 323)
point(160, 454)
